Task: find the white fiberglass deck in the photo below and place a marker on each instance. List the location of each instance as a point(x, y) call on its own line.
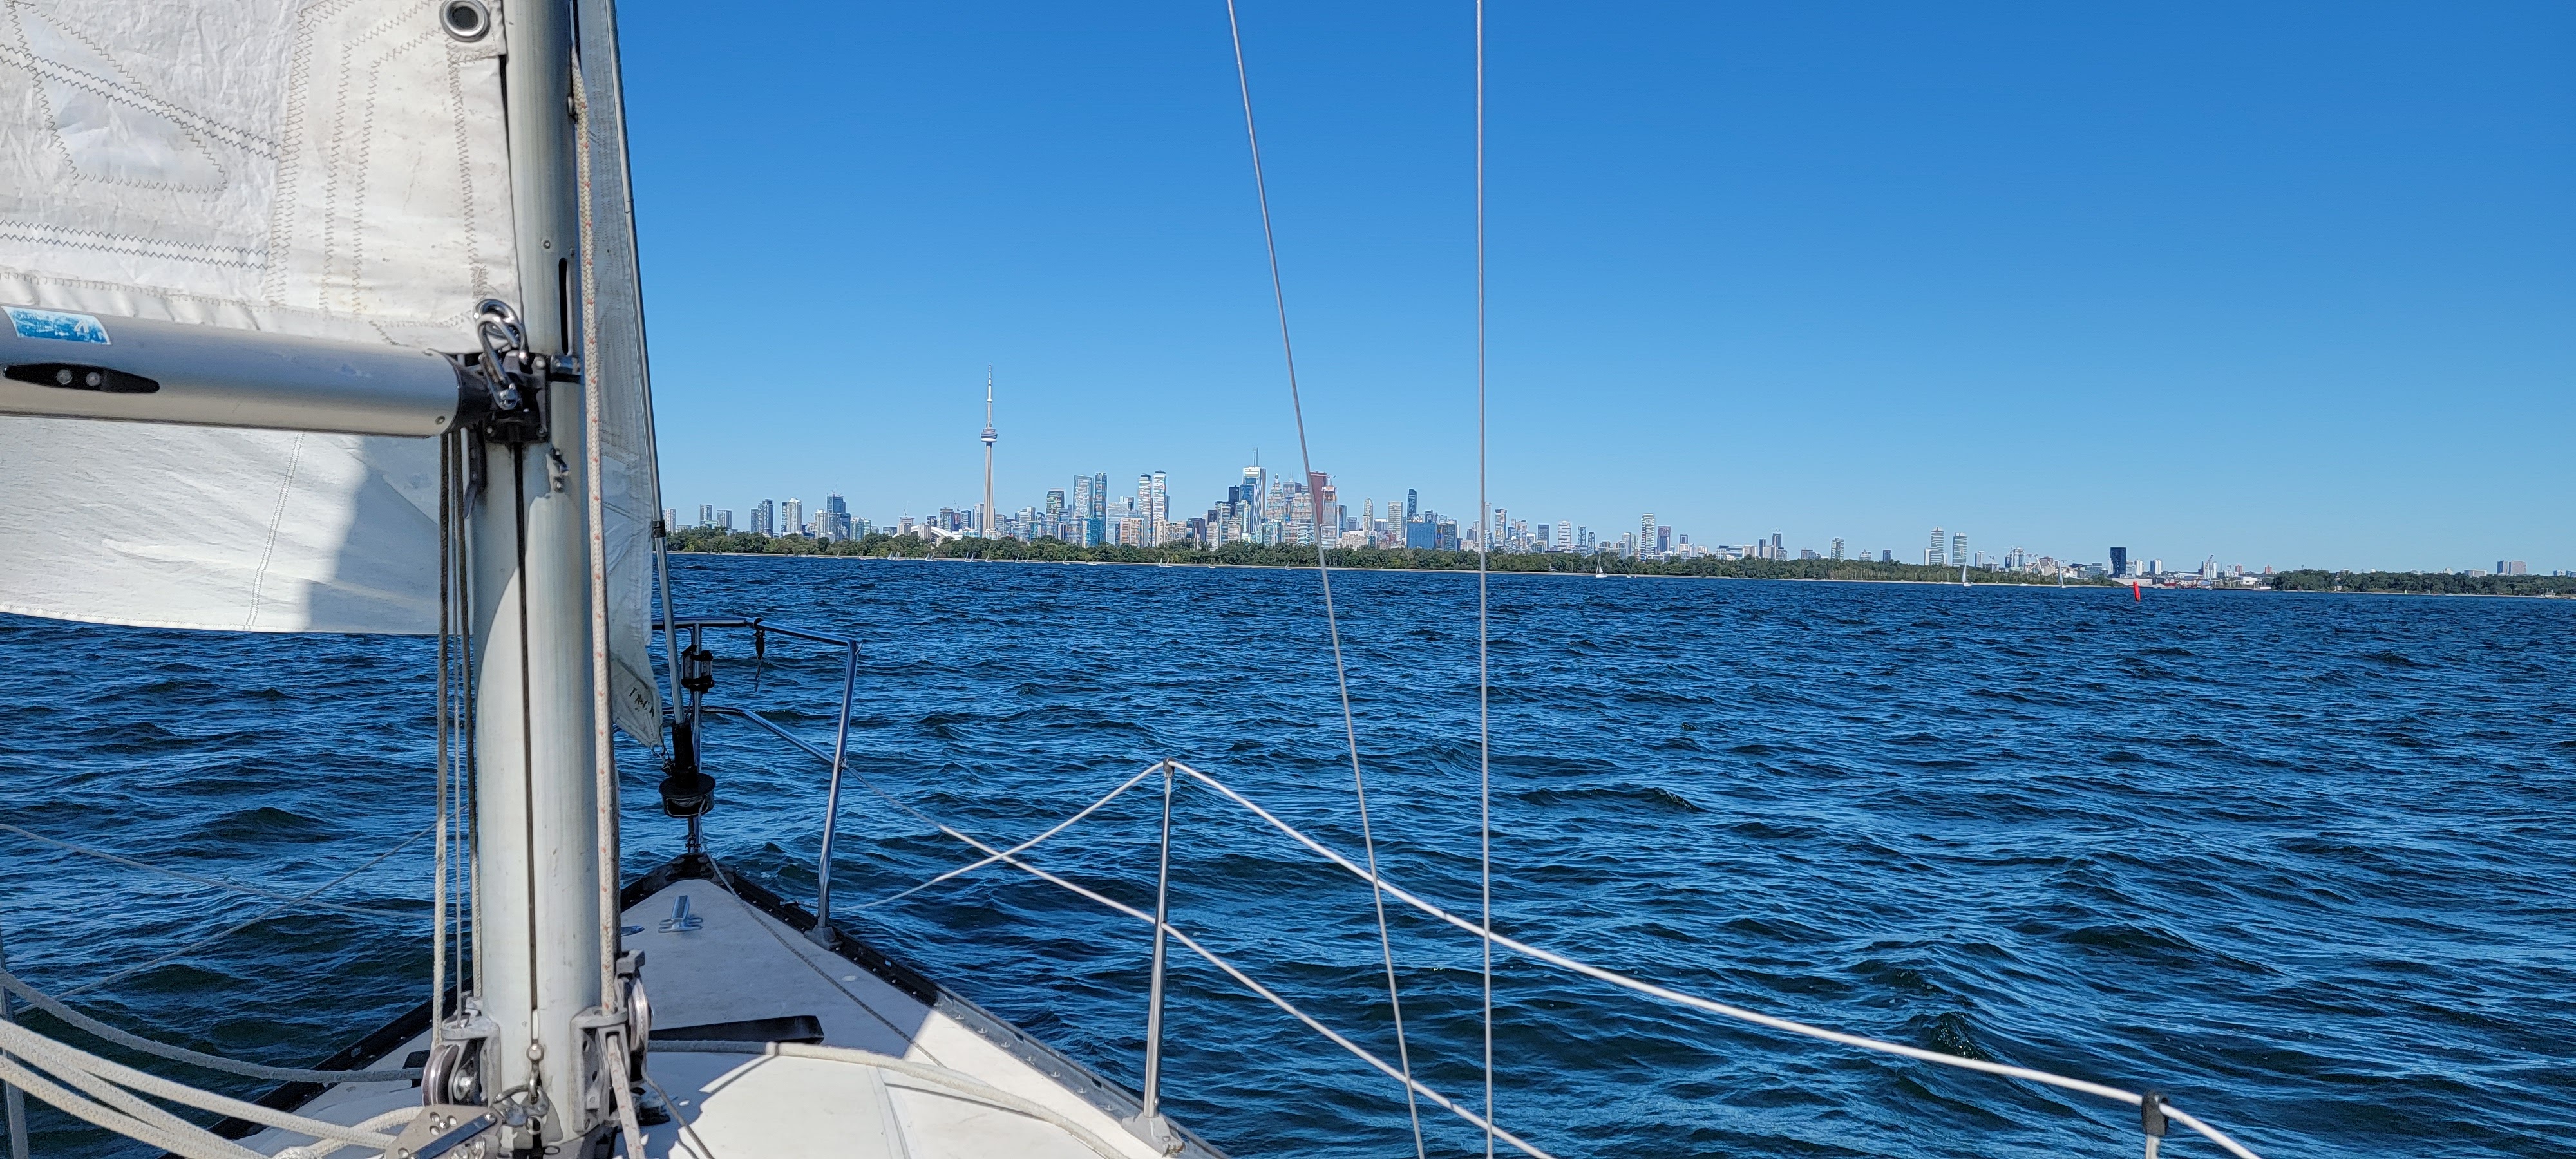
point(738, 963)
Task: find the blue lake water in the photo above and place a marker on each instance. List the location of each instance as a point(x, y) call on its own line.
point(2302, 862)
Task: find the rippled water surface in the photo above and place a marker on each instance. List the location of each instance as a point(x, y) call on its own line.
point(2303, 862)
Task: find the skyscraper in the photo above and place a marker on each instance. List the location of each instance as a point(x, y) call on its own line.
point(1958, 551)
point(1932, 554)
point(764, 517)
point(1412, 507)
point(1162, 506)
point(1836, 551)
point(1664, 539)
point(791, 517)
point(724, 519)
point(984, 514)
point(706, 514)
point(1646, 534)
point(1565, 535)
point(2119, 562)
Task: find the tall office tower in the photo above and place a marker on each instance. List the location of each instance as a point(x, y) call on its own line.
point(1502, 527)
point(1836, 551)
point(1664, 539)
point(984, 513)
point(724, 519)
point(1565, 535)
point(1958, 550)
point(764, 518)
point(1412, 507)
point(1054, 510)
point(1932, 554)
point(2119, 562)
point(1252, 484)
point(791, 517)
point(1162, 500)
point(706, 514)
point(835, 504)
point(1100, 495)
point(1143, 507)
point(1645, 534)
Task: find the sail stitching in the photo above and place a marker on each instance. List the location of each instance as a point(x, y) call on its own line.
point(276, 520)
point(187, 118)
point(47, 233)
point(113, 91)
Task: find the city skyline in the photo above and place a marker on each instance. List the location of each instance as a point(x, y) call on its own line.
point(1270, 509)
point(1749, 267)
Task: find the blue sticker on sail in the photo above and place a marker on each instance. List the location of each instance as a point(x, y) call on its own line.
point(57, 325)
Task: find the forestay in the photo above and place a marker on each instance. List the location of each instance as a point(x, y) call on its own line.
point(323, 169)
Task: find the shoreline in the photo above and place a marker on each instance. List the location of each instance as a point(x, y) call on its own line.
point(1608, 575)
point(1412, 571)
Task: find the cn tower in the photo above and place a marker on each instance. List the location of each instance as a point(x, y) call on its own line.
point(985, 530)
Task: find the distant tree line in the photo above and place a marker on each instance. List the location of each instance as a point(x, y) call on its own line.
point(703, 539)
point(2431, 583)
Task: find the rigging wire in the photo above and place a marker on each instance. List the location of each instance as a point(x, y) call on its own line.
point(253, 919)
point(1484, 679)
point(1324, 572)
point(223, 883)
point(1560, 961)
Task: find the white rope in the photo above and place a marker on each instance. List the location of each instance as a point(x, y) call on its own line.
point(1324, 573)
point(1698, 1003)
point(948, 1080)
point(285, 1074)
point(621, 1090)
point(193, 1144)
point(76, 1068)
point(1022, 847)
point(321, 1147)
point(1412, 1086)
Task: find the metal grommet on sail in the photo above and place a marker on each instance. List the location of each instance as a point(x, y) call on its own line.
point(466, 20)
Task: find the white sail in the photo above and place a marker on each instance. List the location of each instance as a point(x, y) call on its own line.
point(631, 487)
point(331, 170)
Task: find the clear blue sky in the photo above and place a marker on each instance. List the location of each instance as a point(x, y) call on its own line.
point(2286, 284)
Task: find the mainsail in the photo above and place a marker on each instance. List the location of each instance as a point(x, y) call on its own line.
point(327, 170)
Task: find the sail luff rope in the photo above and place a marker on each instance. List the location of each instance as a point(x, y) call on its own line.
point(594, 433)
point(1484, 677)
point(438, 875)
point(1324, 574)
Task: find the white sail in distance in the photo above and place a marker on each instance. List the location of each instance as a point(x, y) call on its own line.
point(322, 170)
